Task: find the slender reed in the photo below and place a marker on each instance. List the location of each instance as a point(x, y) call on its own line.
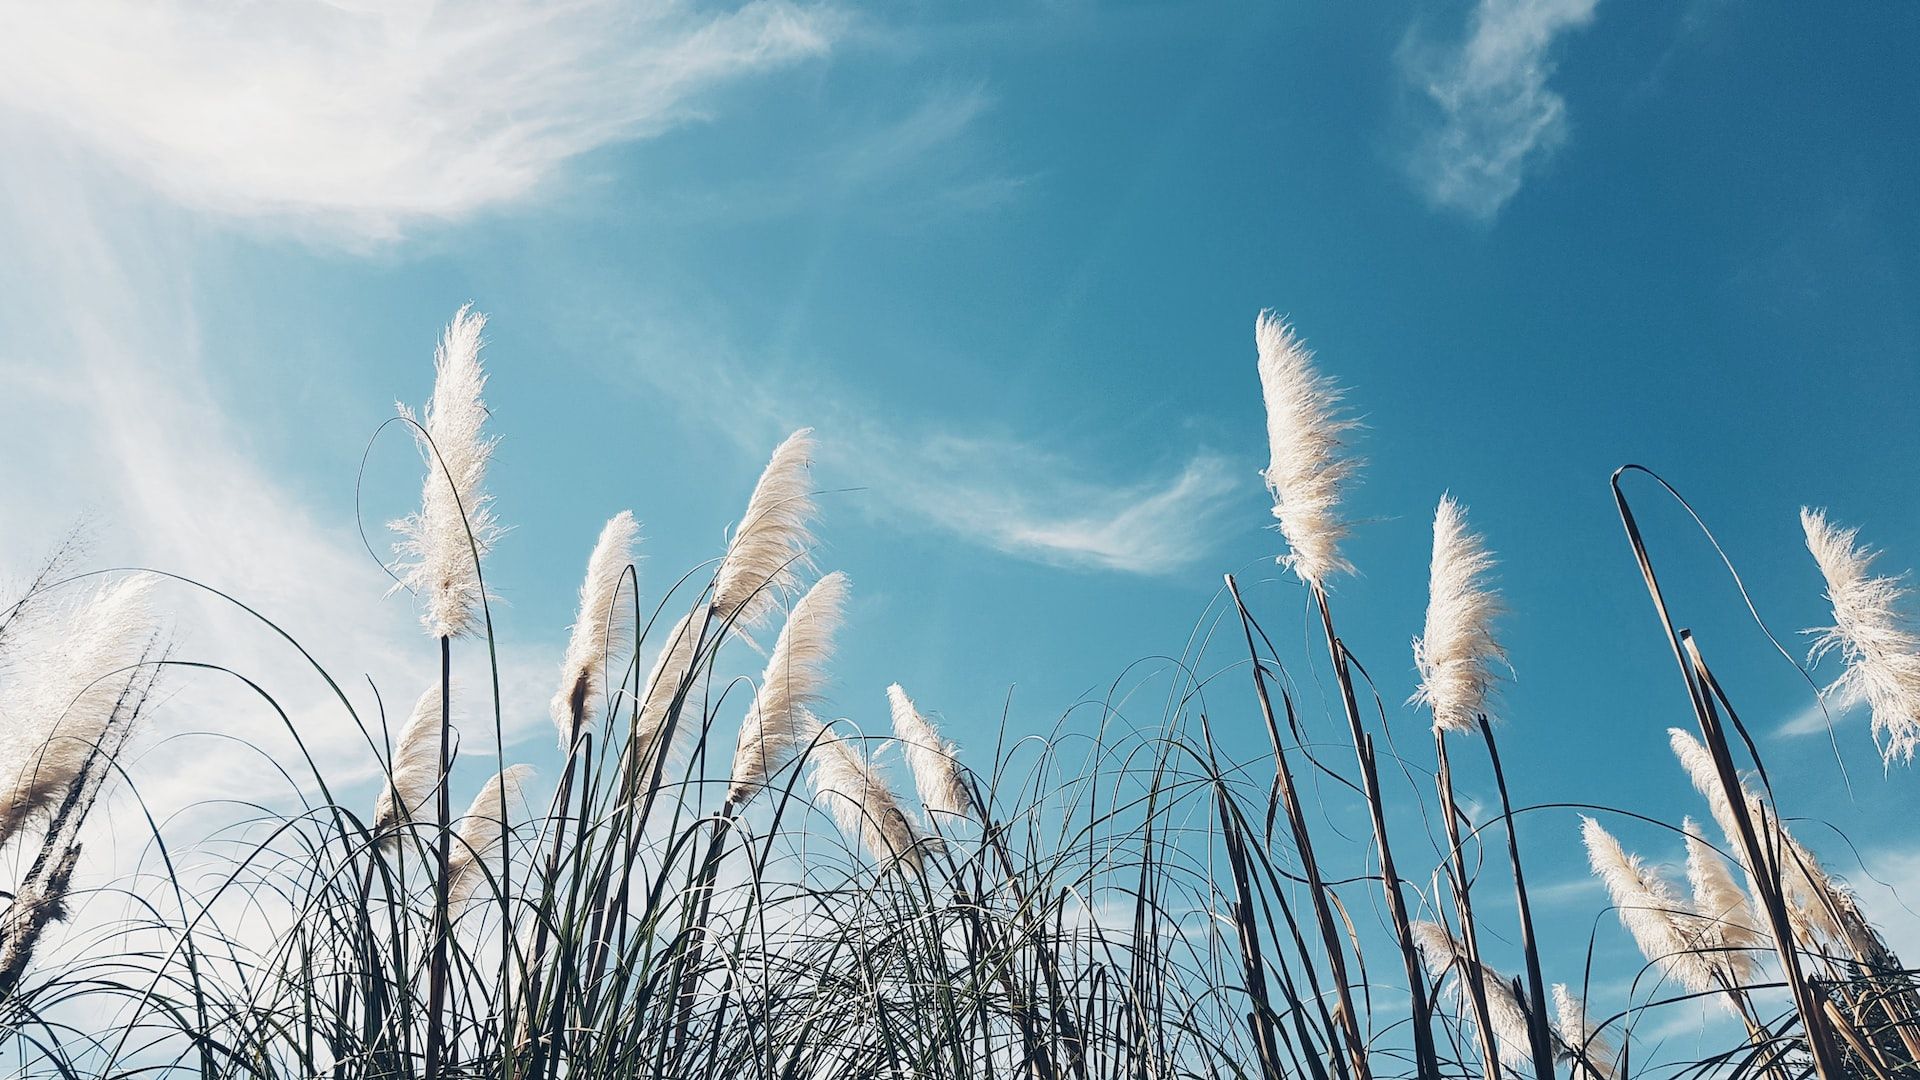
point(1306, 469)
point(440, 550)
point(1701, 694)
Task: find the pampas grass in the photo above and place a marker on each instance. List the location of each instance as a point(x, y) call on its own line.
point(1877, 641)
point(861, 802)
point(935, 761)
point(1725, 931)
point(769, 547)
point(442, 542)
point(62, 701)
point(795, 678)
point(1307, 461)
point(482, 829)
point(765, 558)
point(1307, 466)
point(1119, 898)
point(1647, 907)
point(1589, 1055)
point(413, 776)
point(668, 681)
point(1458, 656)
point(1803, 881)
point(601, 622)
point(1693, 758)
point(1507, 1015)
point(40, 903)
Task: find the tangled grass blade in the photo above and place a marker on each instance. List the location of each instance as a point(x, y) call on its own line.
point(1307, 461)
point(1506, 1012)
point(794, 679)
point(602, 620)
point(934, 760)
point(415, 773)
point(769, 547)
point(1458, 656)
point(1115, 907)
point(439, 542)
point(1876, 640)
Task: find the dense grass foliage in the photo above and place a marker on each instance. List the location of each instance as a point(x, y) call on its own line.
point(717, 883)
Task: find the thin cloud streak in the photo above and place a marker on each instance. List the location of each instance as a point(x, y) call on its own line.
point(1001, 491)
point(363, 120)
point(1813, 719)
point(1497, 120)
point(132, 435)
point(906, 166)
point(1055, 514)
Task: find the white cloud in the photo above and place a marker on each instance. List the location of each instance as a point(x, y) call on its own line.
point(1813, 719)
point(1022, 500)
point(1153, 526)
point(1578, 892)
point(894, 165)
point(105, 407)
point(991, 487)
point(1498, 120)
point(365, 118)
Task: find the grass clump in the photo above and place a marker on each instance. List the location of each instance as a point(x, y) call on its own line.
point(725, 883)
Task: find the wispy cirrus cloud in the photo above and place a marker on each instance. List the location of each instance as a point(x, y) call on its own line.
point(910, 163)
point(367, 118)
point(103, 387)
point(1814, 718)
point(1001, 489)
point(1494, 118)
point(1025, 500)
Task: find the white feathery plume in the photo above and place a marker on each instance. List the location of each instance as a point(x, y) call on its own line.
point(1458, 656)
point(795, 675)
point(1723, 928)
point(1878, 642)
point(670, 669)
point(1647, 908)
point(1307, 463)
point(1698, 763)
point(414, 774)
point(663, 685)
point(934, 760)
point(1806, 884)
point(602, 619)
point(1504, 1009)
point(860, 800)
point(436, 555)
point(1592, 1057)
point(480, 832)
point(63, 698)
point(769, 546)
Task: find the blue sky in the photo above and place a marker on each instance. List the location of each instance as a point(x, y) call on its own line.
point(1006, 259)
